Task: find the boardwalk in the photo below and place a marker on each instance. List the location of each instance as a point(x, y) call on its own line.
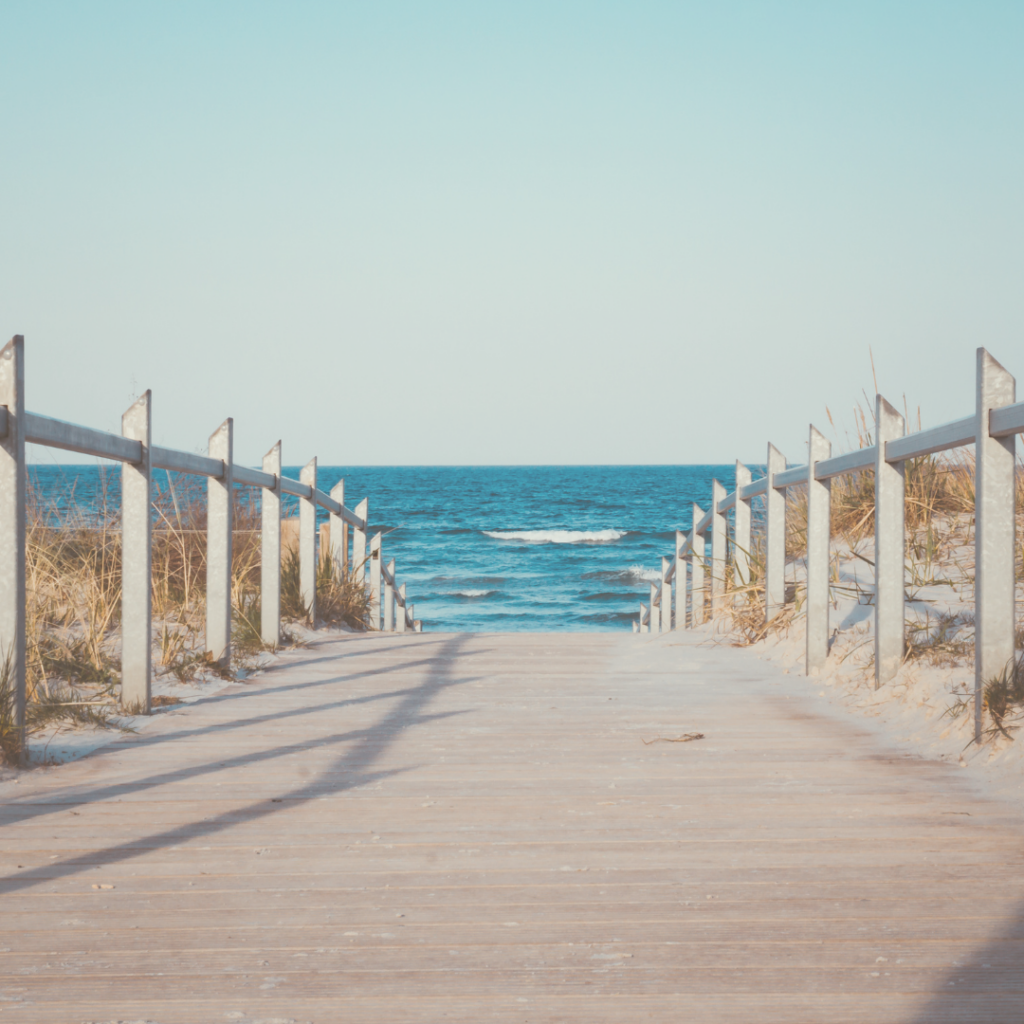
point(471, 828)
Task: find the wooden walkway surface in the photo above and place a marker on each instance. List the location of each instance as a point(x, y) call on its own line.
point(470, 828)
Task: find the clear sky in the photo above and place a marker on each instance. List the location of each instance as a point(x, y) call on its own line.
point(509, 232)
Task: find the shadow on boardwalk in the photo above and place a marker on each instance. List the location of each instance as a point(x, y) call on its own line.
point(987, 987)
point(533, 850)
point(367, 747)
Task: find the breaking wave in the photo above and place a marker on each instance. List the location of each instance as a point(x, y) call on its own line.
point(641, 572)
point(558, 536)
point(473, 593)
point(630, 577)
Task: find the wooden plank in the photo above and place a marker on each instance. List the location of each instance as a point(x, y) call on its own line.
point(473, 827)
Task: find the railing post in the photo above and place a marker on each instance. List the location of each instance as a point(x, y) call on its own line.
point(307, 542)
point(696, 570)
point(718, 547)
point(994, 534)
point(890, 553)
point(375, 542)
point(219, 506)
point(12, 528)
point(655, 609)
point(359, 541)
point(644, 626)
point(389, 601)
point(775, 538)
point(405, 614)
point(339, 533)
point(270, 551)
point(136, 563)
point(666, 596)
point(819, 530)
point(741, 530)
point(680, 622)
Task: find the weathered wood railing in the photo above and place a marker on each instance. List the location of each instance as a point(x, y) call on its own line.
point(997, 419)
point(138, 458)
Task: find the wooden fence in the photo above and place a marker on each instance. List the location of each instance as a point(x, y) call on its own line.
point(138, 458)
point(699, 568)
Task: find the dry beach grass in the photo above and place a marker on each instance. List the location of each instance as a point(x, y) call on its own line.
point(939, 644)
point(73, 598)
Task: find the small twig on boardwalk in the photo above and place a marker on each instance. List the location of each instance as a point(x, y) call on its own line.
point(685, 738)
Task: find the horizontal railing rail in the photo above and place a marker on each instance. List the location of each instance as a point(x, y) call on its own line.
point(133, 448)
point(992, 429)
point(1007, 421)
point(751, 490)
point(191, 463)
point(73, 438)
point(851, 462)
point(54, 433)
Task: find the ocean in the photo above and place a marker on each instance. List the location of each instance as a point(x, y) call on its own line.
point(496, 548)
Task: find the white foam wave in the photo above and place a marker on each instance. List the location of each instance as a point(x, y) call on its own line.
point(557, 536)
point(641, 572)
point(474, 593)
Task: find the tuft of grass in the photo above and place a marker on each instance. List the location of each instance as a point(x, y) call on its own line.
point(963, 701)
point(293, 608)
point(1004, 698)
point(247, 624)
point(945, 638)
point(340, 598)
point(181, 649)
point(744, 606)
point(10, 731)
point(749, 625)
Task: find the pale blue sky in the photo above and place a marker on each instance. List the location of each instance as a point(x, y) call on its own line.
point(509, 233)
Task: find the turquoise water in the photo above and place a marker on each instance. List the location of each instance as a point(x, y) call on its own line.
point(497, 548)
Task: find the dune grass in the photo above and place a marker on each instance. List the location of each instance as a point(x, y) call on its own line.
point(939, 521)
point(10, 733)
point(341, 600)
point(73, 602)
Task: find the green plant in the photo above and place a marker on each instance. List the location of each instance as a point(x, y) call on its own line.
point(341, 598)
point(293, 608)
point(10, 730)
point(1004, 696)
point(247, 626)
